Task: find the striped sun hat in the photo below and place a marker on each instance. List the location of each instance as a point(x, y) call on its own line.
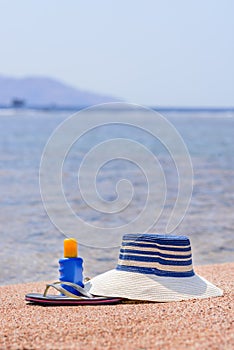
point(153, 267)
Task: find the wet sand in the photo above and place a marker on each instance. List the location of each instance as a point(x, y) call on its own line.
point(195, 324)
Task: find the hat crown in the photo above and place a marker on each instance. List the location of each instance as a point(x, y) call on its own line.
point(162, 255)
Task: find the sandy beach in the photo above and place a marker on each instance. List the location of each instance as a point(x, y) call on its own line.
point(195, 324)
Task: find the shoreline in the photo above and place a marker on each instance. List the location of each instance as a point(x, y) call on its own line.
point(205, 323)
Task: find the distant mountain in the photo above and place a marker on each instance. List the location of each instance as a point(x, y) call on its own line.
point(43, 91)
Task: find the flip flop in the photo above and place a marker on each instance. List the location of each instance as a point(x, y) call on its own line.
point(68, 298)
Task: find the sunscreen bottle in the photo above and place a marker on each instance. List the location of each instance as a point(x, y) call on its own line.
point(71, 267)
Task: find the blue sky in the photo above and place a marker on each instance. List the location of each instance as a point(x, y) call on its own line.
point(149, 52)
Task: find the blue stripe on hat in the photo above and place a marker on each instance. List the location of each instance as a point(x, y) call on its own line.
point(155, 259)
point(154, 271)
point(157, 246)
point(156, 238)
point(146, 252)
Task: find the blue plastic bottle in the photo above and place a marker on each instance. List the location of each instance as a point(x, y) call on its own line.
point(71, 267)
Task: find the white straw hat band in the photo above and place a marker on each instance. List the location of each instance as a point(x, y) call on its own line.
point(154, 267)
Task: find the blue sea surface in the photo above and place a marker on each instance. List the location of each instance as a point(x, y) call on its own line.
point(31, 245)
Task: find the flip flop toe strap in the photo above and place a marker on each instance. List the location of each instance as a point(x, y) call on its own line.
point(59, 288)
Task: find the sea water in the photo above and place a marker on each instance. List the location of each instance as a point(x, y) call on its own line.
point(31, 245)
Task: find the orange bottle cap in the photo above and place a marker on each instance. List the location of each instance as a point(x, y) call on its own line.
point(70, 248)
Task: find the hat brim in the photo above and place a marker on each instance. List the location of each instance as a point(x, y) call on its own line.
point(150, 287)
